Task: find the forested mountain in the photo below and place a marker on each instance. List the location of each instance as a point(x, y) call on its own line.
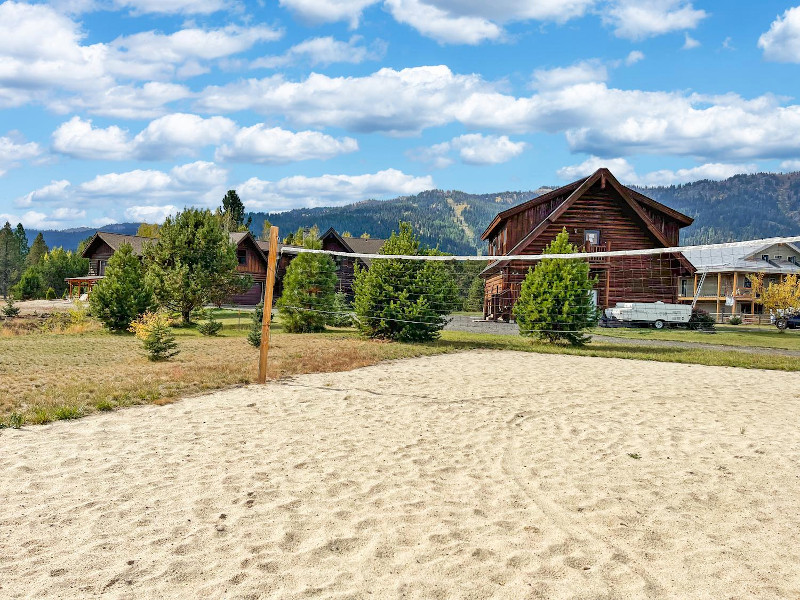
point(742, 207)
point(451, 220)
point(70, 238)
point(739, 208)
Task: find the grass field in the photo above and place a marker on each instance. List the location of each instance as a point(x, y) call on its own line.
point(753, 336)
point(53, 376)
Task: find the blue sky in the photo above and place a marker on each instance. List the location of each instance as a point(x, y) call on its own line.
point(128, 110)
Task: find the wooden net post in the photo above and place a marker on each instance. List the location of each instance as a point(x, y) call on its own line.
point(272, 263)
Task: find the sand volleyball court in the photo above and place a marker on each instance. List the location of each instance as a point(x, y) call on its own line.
point(441, 477)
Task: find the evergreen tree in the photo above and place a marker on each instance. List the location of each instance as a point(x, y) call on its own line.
point(37, 251)
point(473, 302)
point(555, 301)
point(232, 213)
point(191, 263)
point(11, 260)
point(404, 300)
point(254, 335)
point(123, 294)
point(30, 285)
point(22, 239)
point(309, 288)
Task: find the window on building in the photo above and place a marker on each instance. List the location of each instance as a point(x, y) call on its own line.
point(101, 267)
point(592, 236)
point(765, 257)
point(684, 287)
point(241, 255)
point(747, 283)
point(777, 257)
point(793, 260)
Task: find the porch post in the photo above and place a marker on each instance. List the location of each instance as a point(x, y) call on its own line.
point(719, 294)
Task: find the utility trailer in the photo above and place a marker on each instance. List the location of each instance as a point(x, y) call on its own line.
point(650, 314)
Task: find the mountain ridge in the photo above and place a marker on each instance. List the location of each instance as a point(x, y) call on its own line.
point(741, 207)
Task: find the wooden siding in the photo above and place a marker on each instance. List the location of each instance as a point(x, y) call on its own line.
point(627, 279)
point(100, 252)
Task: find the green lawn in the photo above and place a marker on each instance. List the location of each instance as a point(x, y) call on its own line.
point(755, 336)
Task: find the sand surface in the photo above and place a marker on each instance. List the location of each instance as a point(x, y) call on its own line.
point(477, 475)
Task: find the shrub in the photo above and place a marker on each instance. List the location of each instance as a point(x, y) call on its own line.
point(254, 335)
point(122, 295)
point(211, 326)
point(15, 420)
point(309, 288)
point(153, 328)
point(341, 312)
point(555, 300)
point(50, 294)
point(404, 300)
point(29, 286)
point(735, 320)
point(701, 320)
point(10, 310)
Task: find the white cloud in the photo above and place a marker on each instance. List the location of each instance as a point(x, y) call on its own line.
point(595, 118)
point(328, 11)
point(34, 219)
point(633, 57)
point(689, 43)
point(625, 172)
point(472, 149)
point(77, 138)
point(560, 77)
point(328, 190)
point(325, 51)
point(790, 166)
point(782, 42)
point(13, 151)
point(259, 144)
point(191, 7)
point(639, 19)
point(150, 214)
point(152, 54)
point(52, 192)
point(125, 101)
point(44, 59)
point(400, 102)
point(182, 134)
point(433, 22)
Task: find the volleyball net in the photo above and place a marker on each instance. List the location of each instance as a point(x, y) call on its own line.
point(685, 286)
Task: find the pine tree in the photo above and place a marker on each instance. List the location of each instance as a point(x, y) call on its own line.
point(555, 301)
point(309, 288)
point(37, 251)
point(192, 263)
point(22, 239)
point(265, 229)
point(232, 213)
point(404, 300)
point(123, 294)
point(11, 261)
point(254, 335)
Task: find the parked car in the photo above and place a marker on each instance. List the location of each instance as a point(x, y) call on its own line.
point(788, 322)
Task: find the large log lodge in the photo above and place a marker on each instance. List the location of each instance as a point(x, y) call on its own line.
point(600, 214)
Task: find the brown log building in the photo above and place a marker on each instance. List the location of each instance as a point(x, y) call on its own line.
point(600, 214)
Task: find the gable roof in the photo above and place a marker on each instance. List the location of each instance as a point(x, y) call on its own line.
point(356, 245)
point(115, 240)
point(576, 189)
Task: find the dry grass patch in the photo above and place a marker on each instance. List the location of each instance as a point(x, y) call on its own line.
point(47, 377)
